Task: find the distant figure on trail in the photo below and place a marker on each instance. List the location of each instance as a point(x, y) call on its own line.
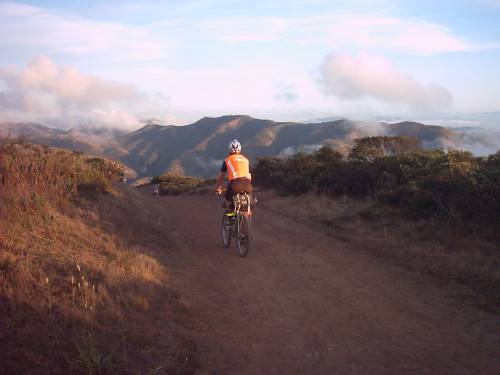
point(156, 190)
point(238, 172)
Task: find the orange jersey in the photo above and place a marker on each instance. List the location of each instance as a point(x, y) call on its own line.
point(238, 166)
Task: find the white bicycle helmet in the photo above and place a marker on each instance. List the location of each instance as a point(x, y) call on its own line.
point(234, 147)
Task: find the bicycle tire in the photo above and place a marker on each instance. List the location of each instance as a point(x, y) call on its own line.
point(243, 235)
point(226, 233)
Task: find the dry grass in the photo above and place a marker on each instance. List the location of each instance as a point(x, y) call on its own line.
point(170, 184)
point(468, 263)
point(83, 286)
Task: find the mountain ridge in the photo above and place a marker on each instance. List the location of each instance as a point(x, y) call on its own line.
point(198, 149)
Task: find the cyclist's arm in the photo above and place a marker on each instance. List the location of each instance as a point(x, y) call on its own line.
point(220, 181)
point(220, 177)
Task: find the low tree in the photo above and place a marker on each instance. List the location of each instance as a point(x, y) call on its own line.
point(371, 148)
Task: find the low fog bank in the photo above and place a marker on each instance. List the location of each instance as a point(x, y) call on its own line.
point(481, 142)
point(479, 133)
point(62, 97)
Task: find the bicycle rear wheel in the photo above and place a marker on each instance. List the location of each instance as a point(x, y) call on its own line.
point(227, 229)
point(243, 235)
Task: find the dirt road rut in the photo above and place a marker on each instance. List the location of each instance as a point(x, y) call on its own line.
point(303, 302)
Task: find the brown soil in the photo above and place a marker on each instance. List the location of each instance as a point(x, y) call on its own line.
point(304, 302)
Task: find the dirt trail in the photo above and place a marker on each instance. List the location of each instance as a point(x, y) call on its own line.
point(303, 302)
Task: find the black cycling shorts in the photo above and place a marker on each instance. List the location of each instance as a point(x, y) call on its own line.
point(238, 185)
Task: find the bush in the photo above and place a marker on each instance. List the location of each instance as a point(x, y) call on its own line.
point(173, 184)
point(371, 148)
point(455, 186)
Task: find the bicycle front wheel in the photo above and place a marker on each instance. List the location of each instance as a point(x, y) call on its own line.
point(243, 235)
point(227, 229)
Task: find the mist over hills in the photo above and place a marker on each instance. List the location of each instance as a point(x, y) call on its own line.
point(91, 140)
point(198, 149)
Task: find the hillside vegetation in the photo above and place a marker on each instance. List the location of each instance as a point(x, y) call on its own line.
point(170, 184)
point(454, 186)
point(80, 293)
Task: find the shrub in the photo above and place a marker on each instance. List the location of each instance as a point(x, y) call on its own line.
point(455, 185)
point(173, 184)
point(371, 148)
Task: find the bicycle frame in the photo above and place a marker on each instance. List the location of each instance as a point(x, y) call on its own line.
point(241, 203)
point(240, 223)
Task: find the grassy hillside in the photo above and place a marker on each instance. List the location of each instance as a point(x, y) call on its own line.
point(83, 284)
point(89, 140)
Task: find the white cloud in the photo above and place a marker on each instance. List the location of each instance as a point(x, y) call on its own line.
point(244, 29)
point(39, 31)
point(399, 34)
point(364, 31)
point(65, 97)
point(368, 76)
point(206, 63)
point(291, 150)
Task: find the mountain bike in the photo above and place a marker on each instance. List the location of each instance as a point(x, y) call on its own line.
point(236, 223)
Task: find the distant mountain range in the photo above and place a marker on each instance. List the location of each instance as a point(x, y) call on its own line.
point(90, 140)
point(489, 121)
point(199, 149)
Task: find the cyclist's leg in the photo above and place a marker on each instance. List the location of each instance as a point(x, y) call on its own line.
point(229, 195)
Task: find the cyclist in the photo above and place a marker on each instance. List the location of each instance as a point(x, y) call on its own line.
point(238, 172)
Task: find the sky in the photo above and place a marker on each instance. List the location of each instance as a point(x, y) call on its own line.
point(114, 63)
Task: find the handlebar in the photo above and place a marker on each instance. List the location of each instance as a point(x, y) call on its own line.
point(220, 192)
